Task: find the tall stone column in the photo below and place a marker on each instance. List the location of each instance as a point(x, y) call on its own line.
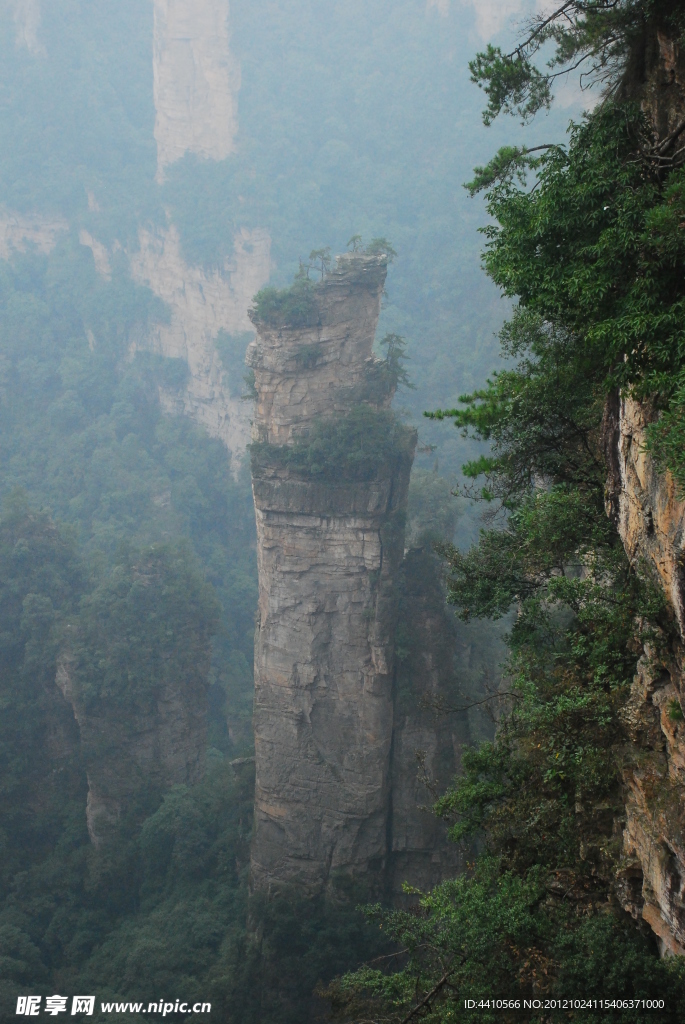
point(330, 540)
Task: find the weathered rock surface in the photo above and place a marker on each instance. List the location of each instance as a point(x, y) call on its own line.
point(651, 521)
point(650, 518)
point(649, 515)
point(196, 81)
point(319, 370)
point(201, 304)
point(134, 754)
point(328, 557)
point(19, 233)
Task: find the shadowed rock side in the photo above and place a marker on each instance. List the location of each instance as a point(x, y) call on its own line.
point(329, 549)
point(427, 742)
point(133, 755)
point(651, 522)
point(142, 719)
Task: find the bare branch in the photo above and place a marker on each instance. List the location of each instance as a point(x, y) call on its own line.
point(541, 25)
point(388, 956)
point(426, 999)
point(443, 708)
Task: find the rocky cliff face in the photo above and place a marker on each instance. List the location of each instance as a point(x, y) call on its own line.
point(201, 304)
point(196, 80)
point(651, 522)
point(650, 518)
point(196, 84)
point(329, 551)
point(133, 755)
point(19, 233)
point(134, 667)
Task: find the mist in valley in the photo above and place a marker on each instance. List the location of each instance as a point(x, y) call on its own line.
point(238, 264)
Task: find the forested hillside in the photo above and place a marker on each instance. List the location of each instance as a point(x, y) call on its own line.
point(578, 802)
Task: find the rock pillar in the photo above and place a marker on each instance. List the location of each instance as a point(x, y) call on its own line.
point(330, 540)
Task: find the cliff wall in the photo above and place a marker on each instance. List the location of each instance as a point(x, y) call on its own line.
point(134, 667)
point(651, 522)
point(650, 517)
point(19, 233)
point(202, 303)
point(329, 551)
point(196, 81)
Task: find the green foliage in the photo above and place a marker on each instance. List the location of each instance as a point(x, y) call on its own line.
point(606, 38)
point(592, 249)
point(82, 432)
point(480, 937)
point(320, 259)
point(391, 366)
point(288, 307)
point(508, 164)
point(380, 247)
point(594, 256)
point(541, 418)
point(154, 611)
point(41, 580)
point(80, 111)
point(675, 712)
point(666, 436)
point(366, 444)
point(161, 912)
point(512, 84)
point(384, 376)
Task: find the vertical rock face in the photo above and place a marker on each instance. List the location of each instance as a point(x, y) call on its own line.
point(196, 80)
point(649, 515)
point(202, 304)
point(18, 233)
point(650, 518)
point(329, 548)
point(134, 666)
point(133, 755)
point(651, 522)
point(426, 753)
